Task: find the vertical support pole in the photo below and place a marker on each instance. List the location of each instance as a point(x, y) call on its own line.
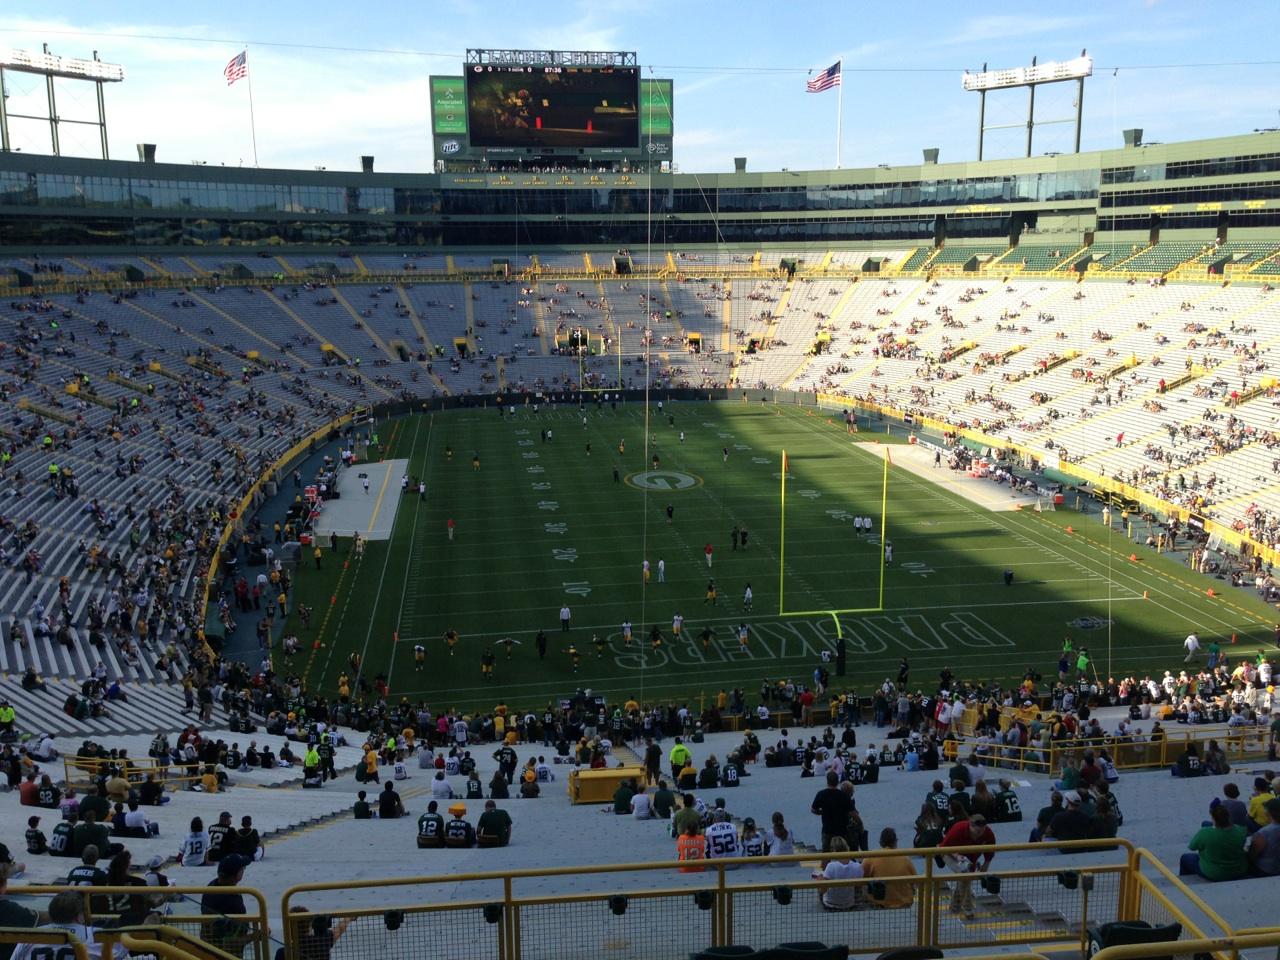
point(53, 111)
point(982, 118)
point(1031, 110)
point(4, 116)
point(102, 117)
point(1079, 110)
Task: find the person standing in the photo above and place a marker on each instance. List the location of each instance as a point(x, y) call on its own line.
point(888, 551)
point(1192, 646)
point(966, 833)
point(540, 641)
point(746, 599)
point(833, 806)
point(743, 534)
point(449, 526)
point(662, 570)
point(707, 552)
point(365, 482)
point(671, 512)
point(564, 618)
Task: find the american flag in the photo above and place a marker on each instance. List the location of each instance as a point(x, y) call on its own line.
point(827, 79)
point(238, 67)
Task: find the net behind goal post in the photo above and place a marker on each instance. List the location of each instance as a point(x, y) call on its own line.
point(1045, 506)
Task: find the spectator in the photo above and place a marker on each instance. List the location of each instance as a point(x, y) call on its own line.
point(1071, 823)
point(842, 867)
point(664, 801)
point(29, 792)
point(117, 787)
point(722, 836)
point(779, 841)
point(964, 833)
point(225, 930)
point(15, 916)
point(66, 912)
point(8, 866)
point(493, 829)
point(498, 787)
point(691, 846)
point(458, 832)
point(151, 793)
point(1258, 801)
point(136, 823)
point(48, 795)
point(1217, 850)
point(1237, 810)
point(529, 789)
point(37, 843)
point(1189, 764)
point(194, 851)
point(87, 873)
point(1046, 815)
point(898, 893)
point(475, 789)
point(154, 877)
point(687, 815)
point(219, 833)
point(248, 843)
point(833, 805)
point(390, 806)
point(89, 831)
point(362, 810)
point(319, 936)
point(440, 788)
point(1264, 846)
point(930, 828)
point(431, 827)
point(641, 805)
point(622, 797)
point(130, 909)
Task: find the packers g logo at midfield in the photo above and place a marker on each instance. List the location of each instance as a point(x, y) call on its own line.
point(663, 480)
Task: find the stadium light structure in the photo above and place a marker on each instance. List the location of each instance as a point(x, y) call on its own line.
point(51, 67)
point(1055, 71)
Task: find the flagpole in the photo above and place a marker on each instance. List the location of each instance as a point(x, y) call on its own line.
point(253, 127)
point(839, 112)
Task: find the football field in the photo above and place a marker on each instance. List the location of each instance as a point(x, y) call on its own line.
point(544, 523)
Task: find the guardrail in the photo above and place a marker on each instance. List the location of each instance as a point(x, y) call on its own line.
point(666, 909)
point(180, 908)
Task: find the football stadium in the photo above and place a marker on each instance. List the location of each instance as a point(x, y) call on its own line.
point(562, 481)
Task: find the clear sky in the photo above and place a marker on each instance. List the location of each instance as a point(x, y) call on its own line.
point(335, 80)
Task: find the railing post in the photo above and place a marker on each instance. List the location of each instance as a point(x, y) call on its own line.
point(509, 946)
point(923, 915)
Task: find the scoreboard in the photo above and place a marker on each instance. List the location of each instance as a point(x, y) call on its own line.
point(550, 109)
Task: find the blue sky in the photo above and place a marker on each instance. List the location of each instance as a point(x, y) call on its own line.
point(739, 74)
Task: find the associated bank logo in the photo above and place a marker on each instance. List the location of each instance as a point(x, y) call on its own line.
point(450, 146)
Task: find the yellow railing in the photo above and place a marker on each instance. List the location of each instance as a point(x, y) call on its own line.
point(82, 772)
point(183, 917)
point(655, 910)
point(164, 941)
point(12, 936)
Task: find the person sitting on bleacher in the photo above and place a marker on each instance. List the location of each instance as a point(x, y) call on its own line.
point(431, 828)
point(529, 789)
point(37, 843)
point(474, 788)
point(1189, 763)
point(493, 829)
point(709, 776)
point(62, 841)
point(390, 805)
point(440, 788)
point(458, 832)
point(687, 777)
point(1007, 808)
point(48, 795)
point(362, 810)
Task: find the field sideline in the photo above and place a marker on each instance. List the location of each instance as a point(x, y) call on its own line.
point(543, 522)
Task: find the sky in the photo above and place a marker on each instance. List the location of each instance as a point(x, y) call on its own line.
point(332, 81)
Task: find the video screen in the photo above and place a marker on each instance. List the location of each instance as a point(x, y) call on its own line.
point(553, 106)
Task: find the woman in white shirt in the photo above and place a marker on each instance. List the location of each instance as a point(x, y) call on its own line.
point(195, 846)
point(779, 841)
point(842, 868)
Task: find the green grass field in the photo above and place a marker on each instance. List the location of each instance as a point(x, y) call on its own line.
point(543, 524)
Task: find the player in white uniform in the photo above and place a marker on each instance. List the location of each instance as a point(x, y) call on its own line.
point(626, 633)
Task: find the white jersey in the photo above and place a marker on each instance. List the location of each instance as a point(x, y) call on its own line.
point(31, 951)
point(195, 849)
point(400, 771)
point(753, 846)
point(722, 841)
